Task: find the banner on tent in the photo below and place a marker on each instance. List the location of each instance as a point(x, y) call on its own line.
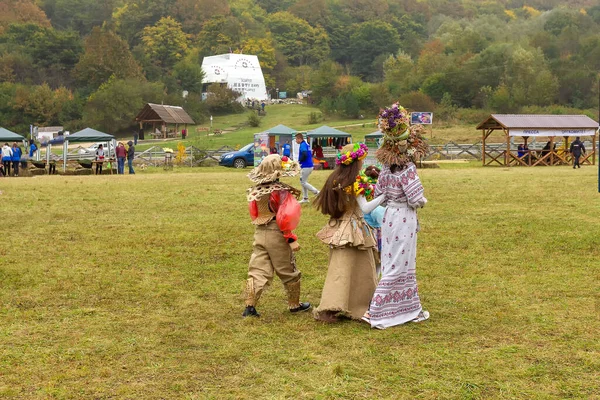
point(552, 132)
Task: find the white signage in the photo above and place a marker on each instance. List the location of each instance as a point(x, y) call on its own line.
point(552, 132)
point(241, 72)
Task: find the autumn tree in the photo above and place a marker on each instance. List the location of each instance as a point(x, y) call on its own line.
point(21, 12)
point(105, 55)
point(370, 40)
point(297, 40)
point(79, 15)
point(165, 43)
point(114, 105)
point(194, 13)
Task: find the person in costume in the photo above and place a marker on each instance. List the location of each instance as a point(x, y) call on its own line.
point(396, 299)
point(275, 212)
point(351, 277)
point(368, 181)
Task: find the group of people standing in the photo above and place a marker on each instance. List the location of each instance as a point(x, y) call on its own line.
point(121, 154)
point(352, 289)
point(11, 156)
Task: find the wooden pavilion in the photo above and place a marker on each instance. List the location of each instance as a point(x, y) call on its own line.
point(527, 126)
point(161, 115)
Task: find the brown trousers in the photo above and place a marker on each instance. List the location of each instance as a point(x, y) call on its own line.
point(272, 254)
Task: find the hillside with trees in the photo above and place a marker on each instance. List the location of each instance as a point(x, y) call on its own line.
point(89, 62)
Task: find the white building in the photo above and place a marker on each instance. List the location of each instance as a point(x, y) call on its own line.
point(241, 72)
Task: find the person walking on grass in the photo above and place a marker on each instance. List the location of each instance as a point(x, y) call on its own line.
point(16, 158)
point(306, 163)
point(396, 299)
point(121, 153)
point(275, 213)
point(577, 149)
point(130, 156)
point(6, 158)
point(351, 274)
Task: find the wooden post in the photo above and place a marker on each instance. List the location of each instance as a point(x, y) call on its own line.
point(551, 150)
point(506, 132)
point(483, 136)
point(594, 149)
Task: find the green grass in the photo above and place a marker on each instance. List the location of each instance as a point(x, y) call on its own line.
point(129, 287)
point(296, 116)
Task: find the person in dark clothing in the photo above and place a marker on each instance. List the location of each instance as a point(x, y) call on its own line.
point(549, 145)
point(130, 156)
point(577, 149)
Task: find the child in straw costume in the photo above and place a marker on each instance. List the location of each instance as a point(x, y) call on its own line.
point(351, 277)
point(275, 211)
point(396, 299)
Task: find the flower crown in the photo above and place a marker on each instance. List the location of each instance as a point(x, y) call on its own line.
point(394, 121)
point(359, 152)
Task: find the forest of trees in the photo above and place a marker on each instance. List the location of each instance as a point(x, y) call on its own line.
point(95, 63)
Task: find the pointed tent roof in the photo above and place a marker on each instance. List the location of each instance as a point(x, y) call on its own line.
point(327, 131)
point(7, 135)
point(280, 130)
point(161, 113)
point(376, 134)
point(89, 135)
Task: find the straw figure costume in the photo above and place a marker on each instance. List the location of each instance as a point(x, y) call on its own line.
point(275, 212)
point(396, 299)
point(351, 277)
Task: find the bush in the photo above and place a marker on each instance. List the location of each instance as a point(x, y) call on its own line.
point(313, 118)
point(417, 101)
point(253, 119)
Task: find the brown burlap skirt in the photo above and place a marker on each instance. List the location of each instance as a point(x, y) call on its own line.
point(350, 282)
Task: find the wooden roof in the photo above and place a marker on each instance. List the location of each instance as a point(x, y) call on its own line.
point(533, 121)
point(161, 113)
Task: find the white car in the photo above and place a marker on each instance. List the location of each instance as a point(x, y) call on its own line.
point(91, 151)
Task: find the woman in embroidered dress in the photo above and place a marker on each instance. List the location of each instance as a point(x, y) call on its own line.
point(351, 277)
point(276, 213)
point(396, 299)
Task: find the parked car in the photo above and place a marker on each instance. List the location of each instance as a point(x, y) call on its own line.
point(92, 149)
point(240, 158)
point(58, 140)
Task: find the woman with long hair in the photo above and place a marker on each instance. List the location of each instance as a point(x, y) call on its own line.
point(351, 278)
point(396, 299)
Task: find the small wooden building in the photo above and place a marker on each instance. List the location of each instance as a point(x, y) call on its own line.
point(549, 127)
point(168, 118)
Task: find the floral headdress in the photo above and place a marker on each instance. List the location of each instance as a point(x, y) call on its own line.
point(402, 143)
point(358, 152)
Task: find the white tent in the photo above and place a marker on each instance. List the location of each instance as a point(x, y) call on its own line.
point(241, 72)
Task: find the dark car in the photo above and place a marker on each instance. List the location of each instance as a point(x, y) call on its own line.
point(60, 139)
point(240, 158)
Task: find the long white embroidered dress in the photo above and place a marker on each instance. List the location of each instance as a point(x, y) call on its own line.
point(396, 299)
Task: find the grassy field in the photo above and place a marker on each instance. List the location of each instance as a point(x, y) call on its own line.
point(129, 287)
point(296, 116)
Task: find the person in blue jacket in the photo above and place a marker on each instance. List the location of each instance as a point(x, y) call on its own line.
point(287, 148)
point(16, 158)
point(32, 148)
point(306, 164)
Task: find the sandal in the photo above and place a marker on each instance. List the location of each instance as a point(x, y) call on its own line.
point(366, 318)
point(423, 316)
